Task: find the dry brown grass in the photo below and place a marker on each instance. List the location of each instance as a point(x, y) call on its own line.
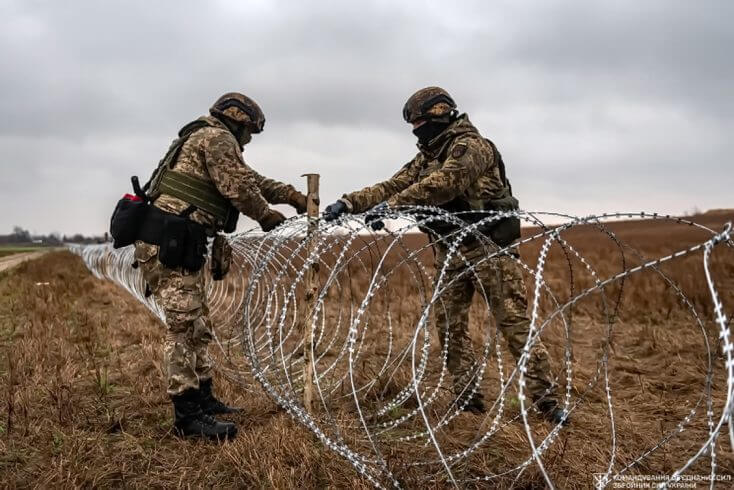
point(84, 402)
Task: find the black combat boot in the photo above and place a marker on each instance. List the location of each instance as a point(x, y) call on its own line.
point(553, 412)
point(209, 404)
point(475, 404)
point(191, 421)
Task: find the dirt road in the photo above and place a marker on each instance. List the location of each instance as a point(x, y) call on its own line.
point(16, 259)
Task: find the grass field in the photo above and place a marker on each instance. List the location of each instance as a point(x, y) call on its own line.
point(6, 251)
point(84, 404)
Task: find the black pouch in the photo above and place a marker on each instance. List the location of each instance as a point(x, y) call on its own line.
point(126, 220)
point(505, 231)
point(128, 216)
point(181, 242)
point(173, 241)
point(195, 247)
point(230, 225)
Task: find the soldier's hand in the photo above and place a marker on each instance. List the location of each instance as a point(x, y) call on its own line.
point(374, 219)
point(271, 220)
point(298, 201)
point(376, 224)
point(334, 210)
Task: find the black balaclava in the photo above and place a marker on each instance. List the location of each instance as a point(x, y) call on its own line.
point(241, 133)
point(429, 130)
point(243, 136)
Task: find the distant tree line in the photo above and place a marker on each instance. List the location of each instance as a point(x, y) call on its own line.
point(21, 236)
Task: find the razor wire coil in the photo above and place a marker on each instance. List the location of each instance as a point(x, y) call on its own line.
point(380, 381)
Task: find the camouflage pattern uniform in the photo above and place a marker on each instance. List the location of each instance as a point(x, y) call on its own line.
point(211, 153)
point(458, 166)
point(182, 296)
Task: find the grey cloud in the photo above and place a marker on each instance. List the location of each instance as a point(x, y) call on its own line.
point(578, 95)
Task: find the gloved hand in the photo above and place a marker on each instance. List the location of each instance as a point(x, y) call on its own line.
point(271, 220)
point(376, 216)
point(298, 201)
point(375, 224)
point(334, 210)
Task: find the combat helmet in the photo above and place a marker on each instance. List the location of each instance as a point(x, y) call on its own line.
point(429, 103)
point(240, 109)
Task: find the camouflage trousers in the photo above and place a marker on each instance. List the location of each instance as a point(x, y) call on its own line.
point(182, 297)
point(500, 280)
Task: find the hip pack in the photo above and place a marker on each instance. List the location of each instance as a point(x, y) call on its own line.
point(181, 242)
point(128, 216)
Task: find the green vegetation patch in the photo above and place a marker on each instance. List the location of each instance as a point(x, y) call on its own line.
point(12, 250)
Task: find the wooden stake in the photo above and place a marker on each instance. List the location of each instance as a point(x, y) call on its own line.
point(311, 285)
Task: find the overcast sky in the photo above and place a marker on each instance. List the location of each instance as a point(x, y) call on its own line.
point(596, 106)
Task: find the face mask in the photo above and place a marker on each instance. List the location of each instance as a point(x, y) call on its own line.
point(243, 137)
point(429, 130)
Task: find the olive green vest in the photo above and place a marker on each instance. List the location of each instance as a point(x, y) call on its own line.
point(197, 192)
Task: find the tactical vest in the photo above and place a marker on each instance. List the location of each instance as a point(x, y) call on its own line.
point(197, 192)
point(503, 231)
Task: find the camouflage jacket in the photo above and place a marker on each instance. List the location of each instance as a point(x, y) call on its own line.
point(212, 153)
point(457, 171)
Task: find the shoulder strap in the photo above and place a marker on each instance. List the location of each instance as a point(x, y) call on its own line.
point(169, 159)
point(500, 164)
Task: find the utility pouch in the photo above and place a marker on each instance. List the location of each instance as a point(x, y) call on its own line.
point(195, 246)
point(230, 224)
point(221, 257)
point(181, 242)
point(128, 216)
point(505, 230)
point(173, 241)
point(502, 231)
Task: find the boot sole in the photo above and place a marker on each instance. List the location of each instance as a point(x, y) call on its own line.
point(200, 435)
point(230, 412)
point(222, 438)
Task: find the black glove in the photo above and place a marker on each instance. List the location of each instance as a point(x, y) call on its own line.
point(299, 202)
point(271, 220)
point(376, 224)
point(376, 215)
point(334, 210)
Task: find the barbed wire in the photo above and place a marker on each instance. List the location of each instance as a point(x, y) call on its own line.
point(381, 374)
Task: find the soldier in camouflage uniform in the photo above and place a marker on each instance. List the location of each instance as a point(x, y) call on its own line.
point(212, 152)
point(457, 169)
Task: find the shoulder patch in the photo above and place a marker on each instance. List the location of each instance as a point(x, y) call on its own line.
point(458, 150)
